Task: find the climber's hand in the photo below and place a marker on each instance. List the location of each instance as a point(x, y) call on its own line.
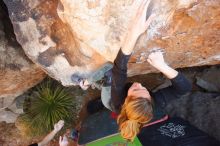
point(156, 59)
point(138, 25)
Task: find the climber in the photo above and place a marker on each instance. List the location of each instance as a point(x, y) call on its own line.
point(141, 112)
point(57, 127)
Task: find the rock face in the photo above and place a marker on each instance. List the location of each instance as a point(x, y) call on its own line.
point(17, 72)
point(195, 108)
point(208, 81)
point(67, 37)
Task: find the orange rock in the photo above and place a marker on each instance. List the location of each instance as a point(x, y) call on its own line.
point(69, 37)
point(17, 72)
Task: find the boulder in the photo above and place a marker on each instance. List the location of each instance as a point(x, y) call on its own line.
point(76, 37)
point(209, 80)
point(17, 72)
point(8, 116)
point(200, 109)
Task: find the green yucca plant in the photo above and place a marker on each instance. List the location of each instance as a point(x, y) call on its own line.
point(50, 103)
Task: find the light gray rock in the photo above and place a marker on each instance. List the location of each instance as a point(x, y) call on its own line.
point(8, 116)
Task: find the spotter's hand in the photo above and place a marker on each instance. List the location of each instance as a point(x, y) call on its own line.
point(63, 141)
point(58, 125)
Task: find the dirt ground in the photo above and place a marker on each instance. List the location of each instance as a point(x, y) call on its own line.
point(200, 107)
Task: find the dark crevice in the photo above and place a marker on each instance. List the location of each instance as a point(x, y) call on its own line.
point(7, 25)
point(9, 35)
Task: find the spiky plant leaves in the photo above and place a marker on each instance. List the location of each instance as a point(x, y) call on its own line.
point(50, 104)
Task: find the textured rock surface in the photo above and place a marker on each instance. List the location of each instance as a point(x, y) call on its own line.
point(200, 109)
point(209, 80)
point(70, 37)
point(17, 72)
point(8, 116)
